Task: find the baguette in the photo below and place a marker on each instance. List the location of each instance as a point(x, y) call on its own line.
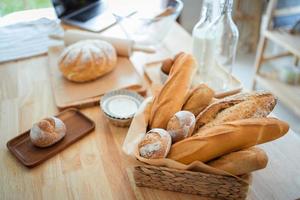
point(241, 162)
point(199, 98)
point(240, 106)
point(171, 97)
point(226, 138)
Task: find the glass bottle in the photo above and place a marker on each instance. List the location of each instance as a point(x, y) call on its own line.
point(221, 44)
point(199, 38)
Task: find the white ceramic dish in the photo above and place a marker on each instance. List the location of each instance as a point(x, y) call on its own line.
point(119, 106)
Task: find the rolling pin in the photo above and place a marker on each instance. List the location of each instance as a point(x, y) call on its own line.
point(124, 47)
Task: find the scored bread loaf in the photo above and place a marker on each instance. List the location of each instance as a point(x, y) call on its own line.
point(240, 106)
point(155, 144)
point(47, 132)
point(241, 162)
point(181, 125)
point(171, 97)
point(226, 138)
point(198, 99)
point(87, 60)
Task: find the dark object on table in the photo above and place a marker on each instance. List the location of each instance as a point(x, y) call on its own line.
point(91, 15)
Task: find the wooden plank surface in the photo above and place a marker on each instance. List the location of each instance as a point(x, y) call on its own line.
point(95, 167)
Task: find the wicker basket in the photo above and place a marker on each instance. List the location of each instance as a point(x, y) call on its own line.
point(206, 185)
point(176, 176)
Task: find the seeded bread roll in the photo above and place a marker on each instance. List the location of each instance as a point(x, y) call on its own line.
point(225, 138)
point(171, 97)
point(199, 98)
point(241, 162)
point(155, 144)
point(240, 106)
point(181, 125)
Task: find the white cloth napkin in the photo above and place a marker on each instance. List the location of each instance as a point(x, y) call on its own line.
point(23, 40)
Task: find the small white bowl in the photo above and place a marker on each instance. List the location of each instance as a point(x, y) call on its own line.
point(119, 106)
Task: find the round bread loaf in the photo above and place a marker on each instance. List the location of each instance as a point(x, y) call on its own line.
point(47, 132)
point(87, 60)
point(181, 125)
point(156, 144)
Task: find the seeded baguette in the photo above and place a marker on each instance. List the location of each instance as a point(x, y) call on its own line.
point(240, 106)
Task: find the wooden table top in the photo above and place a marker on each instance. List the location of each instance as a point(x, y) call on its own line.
point(95, 167)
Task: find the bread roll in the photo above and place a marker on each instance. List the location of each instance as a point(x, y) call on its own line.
point(155, 144)
point(240, 106)
point(198, 99)
point(241, 162)
point(181, 125)
point(47, 132)
point(166, 65)
point(226, 138)
point(87, 60)
point(171, 97)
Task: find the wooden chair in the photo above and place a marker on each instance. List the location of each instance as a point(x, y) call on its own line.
point(289, 95)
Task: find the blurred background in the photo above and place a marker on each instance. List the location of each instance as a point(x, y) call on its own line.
point(9, 6)
point(275, 54)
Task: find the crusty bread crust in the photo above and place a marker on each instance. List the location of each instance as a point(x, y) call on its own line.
point(87, 60)
point(198, 99)
point(241, 162)
point(47, 132)
point(156, 144)
point(171, 97)
point(240, 106)
point(222, 139)
point(181, 125)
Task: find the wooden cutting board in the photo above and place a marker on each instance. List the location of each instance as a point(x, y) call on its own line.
point(71, 94)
